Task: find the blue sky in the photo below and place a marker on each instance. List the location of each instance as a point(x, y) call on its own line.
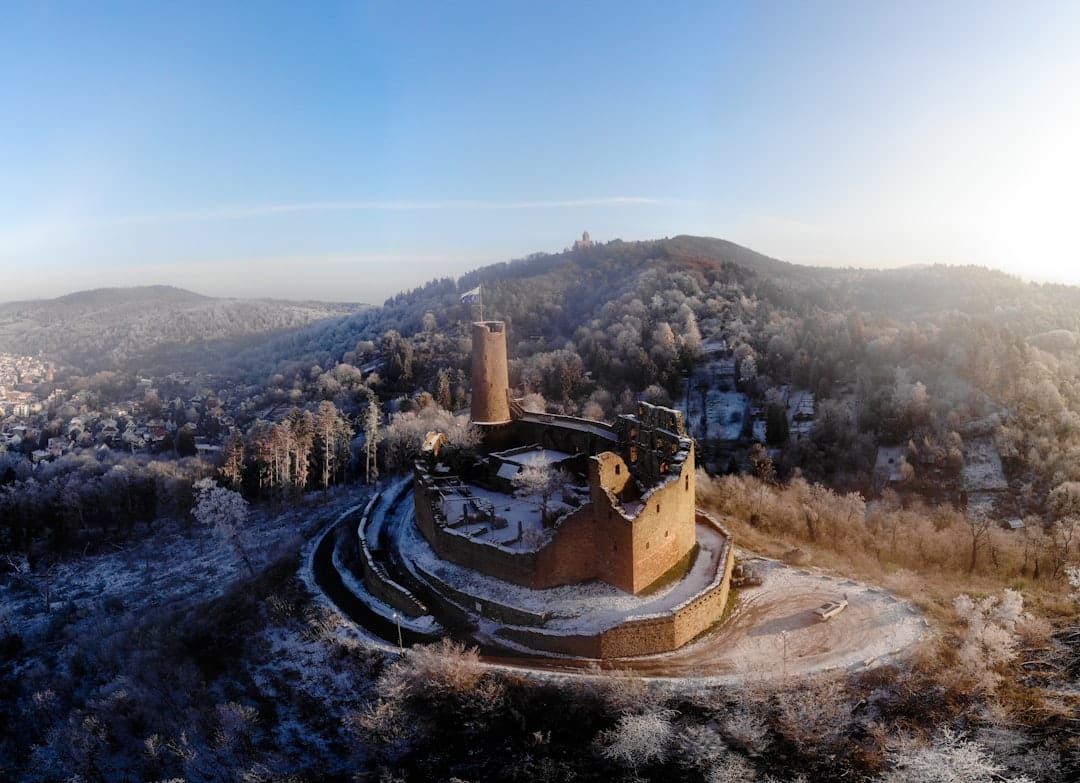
point(348, 150)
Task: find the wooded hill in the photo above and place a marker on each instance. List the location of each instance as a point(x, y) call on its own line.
point(922, 358)
point(107, 328)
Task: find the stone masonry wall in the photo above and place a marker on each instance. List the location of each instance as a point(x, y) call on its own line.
point(647, 635)
point(663, 531)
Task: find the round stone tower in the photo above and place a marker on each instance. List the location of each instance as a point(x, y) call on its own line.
point(490, 376)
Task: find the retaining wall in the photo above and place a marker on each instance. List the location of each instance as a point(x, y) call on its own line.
point(377, 581)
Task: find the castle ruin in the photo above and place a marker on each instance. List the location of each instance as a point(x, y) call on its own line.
point(623, 515)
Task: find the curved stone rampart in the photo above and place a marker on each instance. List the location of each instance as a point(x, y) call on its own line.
point(377, 581)
point(480, 604)
point(650, 634)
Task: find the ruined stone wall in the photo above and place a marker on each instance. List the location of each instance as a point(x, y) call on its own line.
point(612, 474)
point(652, 441)
point(663, 531)
point(564, 433)
point(586, 546)
point(575, 554)
point(483, 556)
point(596, 541)
point(490, 373)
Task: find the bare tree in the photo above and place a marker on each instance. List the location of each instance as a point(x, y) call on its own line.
point(232, 469)
point(978, 524)
point(332, 434)
point(40, 581)
point(372, 420)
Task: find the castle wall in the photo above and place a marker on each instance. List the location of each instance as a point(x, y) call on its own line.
point(564, 433)
point(663, 532)
point(596, 541)
point(483, 606)
point(490, 373)
point(483, 556)
point(645, 635)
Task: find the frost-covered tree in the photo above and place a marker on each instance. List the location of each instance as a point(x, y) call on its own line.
point(950, 758)
point(639, 739)
point(990, 639)
point(541, 480)
point(534, 402)
point(232, 468)
point(372, 420)
point(402, 438)
point(225, 511)
point(815, 716)
point(332, 435)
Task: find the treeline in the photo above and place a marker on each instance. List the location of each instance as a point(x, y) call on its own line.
point(924, 359)
point(88, 498)
point(305, 450)
point(923, 550)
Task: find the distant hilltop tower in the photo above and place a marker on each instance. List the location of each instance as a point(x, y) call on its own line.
point(585, 241)
point(490, 374)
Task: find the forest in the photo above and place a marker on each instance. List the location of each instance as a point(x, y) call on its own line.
point(243, 671)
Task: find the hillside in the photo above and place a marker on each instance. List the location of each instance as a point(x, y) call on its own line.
point(918, 358)
point(552, 296)
point(110, 327)
point(117, 664)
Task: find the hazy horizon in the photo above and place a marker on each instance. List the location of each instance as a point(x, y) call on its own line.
point(249, 289)
point(361, 151)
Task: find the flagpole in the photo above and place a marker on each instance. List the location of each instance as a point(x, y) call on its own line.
point(480, 288)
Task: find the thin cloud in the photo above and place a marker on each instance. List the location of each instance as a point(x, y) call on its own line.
point(270, 210)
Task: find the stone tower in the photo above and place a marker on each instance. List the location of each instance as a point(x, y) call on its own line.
point(490, 376)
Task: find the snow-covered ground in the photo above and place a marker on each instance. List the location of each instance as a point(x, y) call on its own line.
point(724, 409)
point(533, 456)
point(125, 622)
point(518, 521)
point(982, 467)
point(175, 564)
point(800, 411)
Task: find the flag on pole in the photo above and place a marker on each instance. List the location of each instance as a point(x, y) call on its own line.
point(471, 297)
